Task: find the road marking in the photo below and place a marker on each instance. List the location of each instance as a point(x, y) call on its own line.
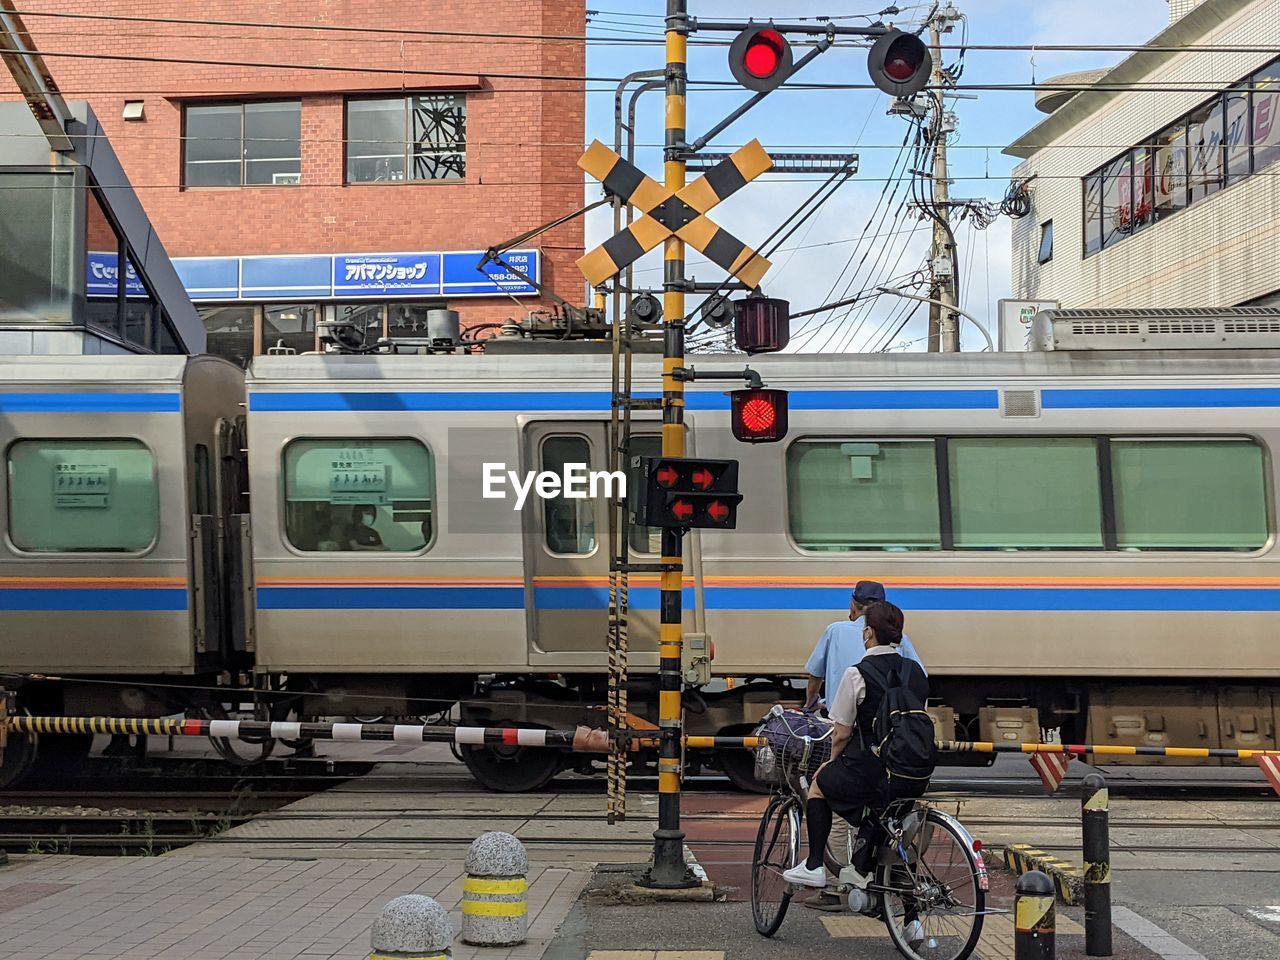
point(1270, 914)
point(996, 942)
point(1156, 939)
point(656, 955)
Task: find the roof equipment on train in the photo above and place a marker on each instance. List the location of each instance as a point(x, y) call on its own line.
point(1175, 328)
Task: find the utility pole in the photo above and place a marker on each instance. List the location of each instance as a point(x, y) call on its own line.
point(668, 870)
point(943, 326)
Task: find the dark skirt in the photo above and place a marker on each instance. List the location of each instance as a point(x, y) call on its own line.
point(853, 782)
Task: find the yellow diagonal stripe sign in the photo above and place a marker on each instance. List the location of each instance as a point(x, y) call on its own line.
point(666, 213)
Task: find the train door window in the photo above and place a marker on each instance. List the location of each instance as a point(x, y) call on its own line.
point(863, 495)
point(1033, 493)
point(354, 495)
point(204, 481)
point(92, 496)
point(1183, 494)
point(644, 539)
point(569, 523)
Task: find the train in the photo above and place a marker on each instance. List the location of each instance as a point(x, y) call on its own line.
point(1083, 542)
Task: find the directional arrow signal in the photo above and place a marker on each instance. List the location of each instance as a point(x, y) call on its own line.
point(671, 213)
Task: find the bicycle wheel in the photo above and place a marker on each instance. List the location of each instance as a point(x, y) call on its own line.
point(935, 881)
point(777, 849)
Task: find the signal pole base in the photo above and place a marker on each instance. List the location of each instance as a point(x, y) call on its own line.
point(668, 870)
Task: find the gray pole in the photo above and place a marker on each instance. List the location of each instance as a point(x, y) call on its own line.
point(944, 331)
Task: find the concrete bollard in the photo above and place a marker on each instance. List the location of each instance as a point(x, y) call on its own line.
point(412, 927)
point(1034, 920)
point(1094, 815)
point(495, 894)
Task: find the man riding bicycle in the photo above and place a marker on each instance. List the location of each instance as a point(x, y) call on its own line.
point(855, 777)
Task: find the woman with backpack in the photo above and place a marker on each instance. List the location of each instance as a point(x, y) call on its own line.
point(882, 748)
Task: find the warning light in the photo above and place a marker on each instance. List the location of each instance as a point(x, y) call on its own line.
point(758, 415)
point(761, 324)
point(718, 511)
point(760, 58)
point(680, 492)
point(900, 64)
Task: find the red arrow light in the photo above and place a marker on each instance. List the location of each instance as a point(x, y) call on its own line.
point(667, 476)
point(702, 478)
point(718, 511)
point(682, 510)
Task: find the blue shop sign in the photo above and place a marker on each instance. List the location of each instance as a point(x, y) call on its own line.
point(462, 279)
point(104, 277)
point(386, 274)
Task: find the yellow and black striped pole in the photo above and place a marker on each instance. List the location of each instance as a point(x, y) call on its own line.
point(1094, 803)
point(668, 870)
point(1034, 932)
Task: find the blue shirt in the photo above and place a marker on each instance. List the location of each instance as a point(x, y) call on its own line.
point(841, 648)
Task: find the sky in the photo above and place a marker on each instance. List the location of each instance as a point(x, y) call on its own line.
point(810, 269)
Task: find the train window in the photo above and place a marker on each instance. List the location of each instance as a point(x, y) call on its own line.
point(569, 525)
point(356, 495)
point(92, 496)
point(863, 495)
point(1032, 493)
point(644, 539)
point(1183, 494)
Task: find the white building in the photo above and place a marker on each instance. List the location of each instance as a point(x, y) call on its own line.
point(1158, 185)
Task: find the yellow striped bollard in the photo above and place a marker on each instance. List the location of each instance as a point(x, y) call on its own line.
point(495, 893)
point(1033, 915)
point(412, 927)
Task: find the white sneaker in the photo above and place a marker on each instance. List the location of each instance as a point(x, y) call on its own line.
point(914, 933)
point(802, 876)
point(850, 875)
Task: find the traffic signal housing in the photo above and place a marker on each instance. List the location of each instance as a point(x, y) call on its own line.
point(758, 415)
point(682, 492)
point(761, 324)
point(900, 64)
point(760, 58)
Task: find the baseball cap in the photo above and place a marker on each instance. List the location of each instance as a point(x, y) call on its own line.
point(868, 591)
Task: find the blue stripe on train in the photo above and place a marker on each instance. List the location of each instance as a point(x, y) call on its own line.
point(1182, 398)
point(114, 599)
point(832, 599)
point(556, 401)
point(90, 403)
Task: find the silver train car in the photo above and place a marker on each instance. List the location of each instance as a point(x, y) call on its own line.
point(120, 475)
point(1083, 541)
point(1080, 541)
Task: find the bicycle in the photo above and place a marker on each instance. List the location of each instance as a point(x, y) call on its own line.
point(926, 865)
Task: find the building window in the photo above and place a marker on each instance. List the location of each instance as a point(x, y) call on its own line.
point(229, 332)
point(1266, 116)
point(289, 328)
point(1046, 242)
point(243, 144)
point(863, 495)
point(1092, 214)
point(1238, 161)
point(1205, 136)
point(420, 137)
point(1117, 201)
point(82, 496)
point(359, 495)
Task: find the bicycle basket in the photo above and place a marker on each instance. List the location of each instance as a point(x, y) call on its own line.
point(795, 743)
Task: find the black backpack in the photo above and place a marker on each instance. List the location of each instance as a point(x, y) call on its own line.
point(903, 734)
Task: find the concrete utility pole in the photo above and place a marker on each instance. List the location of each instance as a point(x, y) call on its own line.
point(668, 869)
point(944, 331)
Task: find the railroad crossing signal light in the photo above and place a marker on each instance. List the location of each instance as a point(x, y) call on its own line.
point(758, 415)
point(760, 58)
point(761, 324)
point(900, 64)
point(681, 492)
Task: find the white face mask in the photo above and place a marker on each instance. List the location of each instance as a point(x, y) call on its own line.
point(367, 520)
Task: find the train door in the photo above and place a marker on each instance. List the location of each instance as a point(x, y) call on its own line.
point(567, 551)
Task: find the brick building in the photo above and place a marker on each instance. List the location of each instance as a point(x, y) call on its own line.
point(358, 173)
point(1158, 185)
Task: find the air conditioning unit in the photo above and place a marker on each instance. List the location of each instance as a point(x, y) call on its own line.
point(289, 178)
point(1175, 328)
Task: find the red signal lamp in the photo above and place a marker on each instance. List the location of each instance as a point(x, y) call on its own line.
point(702, 478)
point(681, 510)
point(758, 415)
point(760, 58)
point(900, 64)
point(667, 476)
point(718, 511)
